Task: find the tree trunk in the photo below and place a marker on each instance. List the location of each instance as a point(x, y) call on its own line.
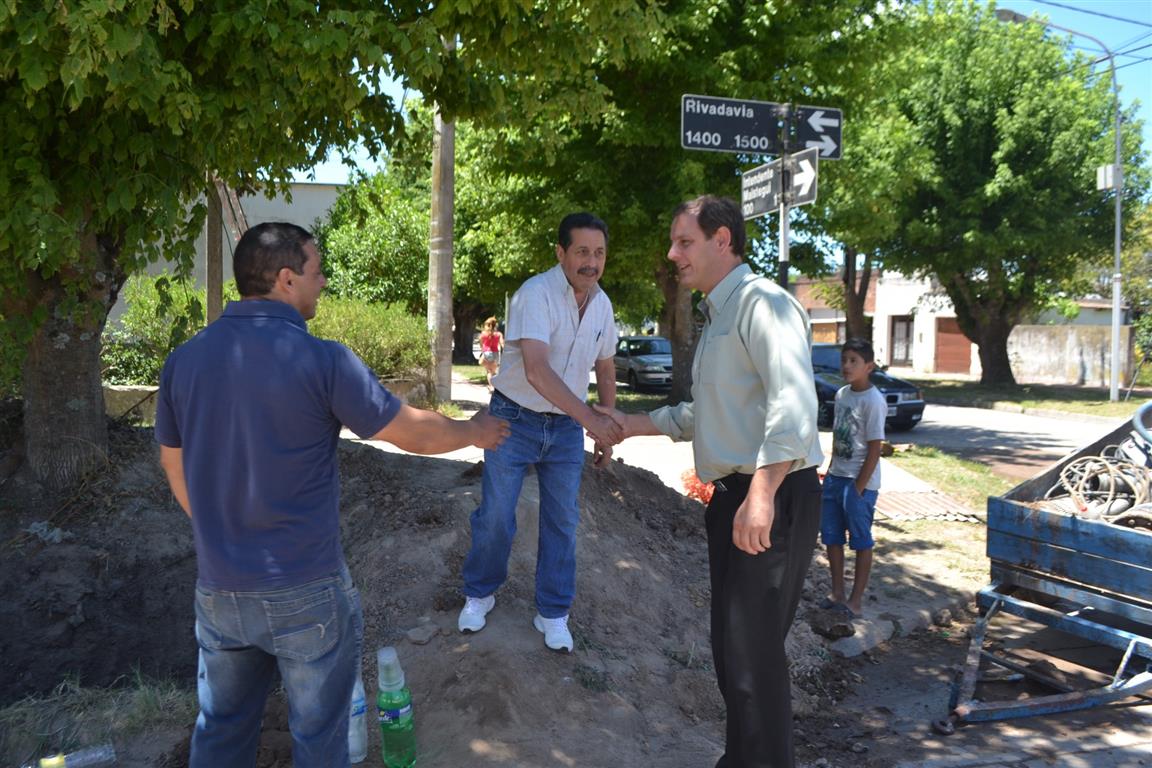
point(65, 427)
point(995, 366)
point(855, 295)
point(680, 323)
point(987, 314)
point(464, 316)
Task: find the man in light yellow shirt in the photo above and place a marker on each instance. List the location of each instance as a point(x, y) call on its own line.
point(752, 423)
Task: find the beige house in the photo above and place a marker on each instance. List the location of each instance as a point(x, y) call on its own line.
point(914, 327)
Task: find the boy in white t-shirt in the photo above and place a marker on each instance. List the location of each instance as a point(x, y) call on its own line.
point(853, 480)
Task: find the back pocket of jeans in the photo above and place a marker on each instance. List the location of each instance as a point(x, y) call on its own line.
point(208, 633)
point(304, 628)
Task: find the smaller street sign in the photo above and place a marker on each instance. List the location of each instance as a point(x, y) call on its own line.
point(820, 127)
point(760, 190)
point(803, 170)
point(718, 124)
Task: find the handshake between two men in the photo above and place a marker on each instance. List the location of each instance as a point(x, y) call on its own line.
point(610, 426)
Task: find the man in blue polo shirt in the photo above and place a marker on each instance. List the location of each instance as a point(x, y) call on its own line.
point(248, 417)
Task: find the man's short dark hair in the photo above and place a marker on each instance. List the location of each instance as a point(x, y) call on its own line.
point(713, 212)
point(860, 347)
point(581, 220)
point(263, 251)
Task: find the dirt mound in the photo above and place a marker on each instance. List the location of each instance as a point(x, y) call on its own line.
point(100, 583)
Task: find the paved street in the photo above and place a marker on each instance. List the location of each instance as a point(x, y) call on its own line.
point(1019, 445)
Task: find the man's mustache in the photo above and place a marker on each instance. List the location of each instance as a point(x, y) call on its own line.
point(588, 271)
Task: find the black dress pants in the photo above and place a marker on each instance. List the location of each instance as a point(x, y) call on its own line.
point(754, 599)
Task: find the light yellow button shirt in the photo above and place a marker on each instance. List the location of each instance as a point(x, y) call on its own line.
point(753, 395)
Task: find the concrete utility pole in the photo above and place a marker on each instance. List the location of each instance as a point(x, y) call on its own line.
point(440, 254)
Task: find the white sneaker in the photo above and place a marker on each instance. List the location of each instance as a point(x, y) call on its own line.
point(475, 609)
point(556, 634)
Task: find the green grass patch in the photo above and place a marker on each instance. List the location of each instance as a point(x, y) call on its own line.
point(969, 482)
point(474, 374)
point(1092, 401)
point(634, 402)
point(73, 716)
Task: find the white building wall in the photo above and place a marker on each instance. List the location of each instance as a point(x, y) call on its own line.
point(899, 296)
point(310, 202)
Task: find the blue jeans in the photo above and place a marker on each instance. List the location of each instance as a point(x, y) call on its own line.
point(313, 634)
point(554, 444)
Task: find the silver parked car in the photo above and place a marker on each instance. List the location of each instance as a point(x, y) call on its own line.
point(644, 362)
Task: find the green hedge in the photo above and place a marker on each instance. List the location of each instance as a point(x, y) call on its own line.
point(394, 344)
point(160, 314)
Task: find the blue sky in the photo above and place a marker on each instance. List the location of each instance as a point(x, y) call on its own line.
point(1125, 26)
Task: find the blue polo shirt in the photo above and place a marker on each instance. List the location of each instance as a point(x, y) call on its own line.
point(256, 404)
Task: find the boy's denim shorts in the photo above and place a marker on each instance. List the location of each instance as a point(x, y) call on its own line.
point(844, 510)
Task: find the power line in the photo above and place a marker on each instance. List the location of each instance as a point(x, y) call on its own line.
point(1133, 63)
point(1118, 54)
point(1093, 13)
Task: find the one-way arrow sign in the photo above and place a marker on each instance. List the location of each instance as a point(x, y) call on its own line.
point(803, 166)
point(820, 127)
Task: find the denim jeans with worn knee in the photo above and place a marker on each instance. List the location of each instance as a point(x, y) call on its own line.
point(554, 444)
point(313, 634)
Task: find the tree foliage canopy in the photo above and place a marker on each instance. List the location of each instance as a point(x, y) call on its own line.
point(114, 115)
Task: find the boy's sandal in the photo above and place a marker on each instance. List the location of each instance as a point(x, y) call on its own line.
point(845, 609)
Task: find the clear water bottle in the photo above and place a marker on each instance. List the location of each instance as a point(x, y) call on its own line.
point(394, 702)
point(358, 724)
point(90, 757)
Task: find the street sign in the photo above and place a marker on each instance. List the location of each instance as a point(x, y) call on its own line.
point(760, 190)
point(803, 170)
point(718, 124)
point(820, 127)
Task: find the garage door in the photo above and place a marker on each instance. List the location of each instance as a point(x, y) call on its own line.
point(826, 333)
point(953, 350)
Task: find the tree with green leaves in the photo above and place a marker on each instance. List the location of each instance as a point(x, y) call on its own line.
point(375, 242)
point(628, 166)
point(997, 132)
point(115, 116)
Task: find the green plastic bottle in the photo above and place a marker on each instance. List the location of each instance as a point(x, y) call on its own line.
point(394, 702)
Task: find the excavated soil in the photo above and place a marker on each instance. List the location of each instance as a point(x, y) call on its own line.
point(98, 584)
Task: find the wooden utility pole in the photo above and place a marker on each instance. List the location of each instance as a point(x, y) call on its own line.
point(440, 254)
point(214, 253)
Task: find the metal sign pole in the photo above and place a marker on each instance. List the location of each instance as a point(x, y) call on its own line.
point(782, 276)
point(785, 113)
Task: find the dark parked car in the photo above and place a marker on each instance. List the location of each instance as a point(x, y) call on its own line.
point(645, 362)
point(905, 403)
